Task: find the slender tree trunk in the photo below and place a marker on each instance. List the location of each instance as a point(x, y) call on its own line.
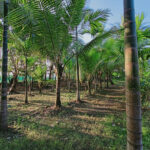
point(50, 71)
point(32, 84)
point(3, 111)
point(133, 102)
point(13, 84)
point(107, 80)
point(89, 87)
point(58, 81)
point(77, 73)
point(77, 81)
point(95, 83)
point(100, 83)
point(95, 86)
point(100, 80)
point(110, 79)
point(26, 80)
point(40, 87)
point(69, 80)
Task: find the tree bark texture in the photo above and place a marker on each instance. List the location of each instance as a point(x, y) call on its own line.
point(69, 80)
point(59, 71)
point(26, 80)
point(50, 71)
point(100, 80)
point(77, 72)
point(77, 80)
point(3, 111)
point(89, 87)
point(133, 102)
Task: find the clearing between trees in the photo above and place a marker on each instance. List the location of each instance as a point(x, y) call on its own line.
point(99, 123)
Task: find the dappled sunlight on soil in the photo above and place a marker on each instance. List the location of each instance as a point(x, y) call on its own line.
point(96, 124)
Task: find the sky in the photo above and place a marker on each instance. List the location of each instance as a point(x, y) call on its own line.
point(116, 8)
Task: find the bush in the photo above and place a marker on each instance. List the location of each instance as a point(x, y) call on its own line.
point(145, 86)
point(49, 82)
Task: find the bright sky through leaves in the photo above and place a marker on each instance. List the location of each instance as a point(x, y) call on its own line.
point(116, 7)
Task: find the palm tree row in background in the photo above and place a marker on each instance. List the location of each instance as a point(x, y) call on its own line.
point(41, 30)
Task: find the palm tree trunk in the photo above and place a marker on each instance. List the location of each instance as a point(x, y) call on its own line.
point(58, 81)
point(95, 86)
point(110, 79)
point(89, 87)
point(77, 80)
point(26, 80)
point(100, 80)
point(133, 103)
point(106, 81)
point(69, 80)
point(3, 111)
point(32, 83)
point(77, 73)
point(50, 72)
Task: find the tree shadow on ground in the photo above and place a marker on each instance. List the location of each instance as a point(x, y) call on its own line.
point(61, 136)
point(73, 129)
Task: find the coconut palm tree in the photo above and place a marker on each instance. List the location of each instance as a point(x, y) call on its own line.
point(3, 111)
point(103, 59)
point(133, 102)
point(143, 40)
point(91, 22)
point(24, 47)
point(52, 29)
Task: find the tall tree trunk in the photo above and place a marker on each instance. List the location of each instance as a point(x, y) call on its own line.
point(32, 83)
point(50, 71)
point(106, 81)
point(110, 79)
point(100, 80)
point(95, 80)
point(59, 71)
point(100, 84)
point(26, 80)
point(133, 103)
point(69, 82)
point(77, 81)
point(77, 72)
point(3, 111)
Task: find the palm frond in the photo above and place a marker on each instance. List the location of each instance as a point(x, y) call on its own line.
point(96, 41)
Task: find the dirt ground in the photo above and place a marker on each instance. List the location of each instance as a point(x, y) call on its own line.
point(99, 123)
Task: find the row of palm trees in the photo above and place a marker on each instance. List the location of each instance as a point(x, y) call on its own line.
point(133, 102)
